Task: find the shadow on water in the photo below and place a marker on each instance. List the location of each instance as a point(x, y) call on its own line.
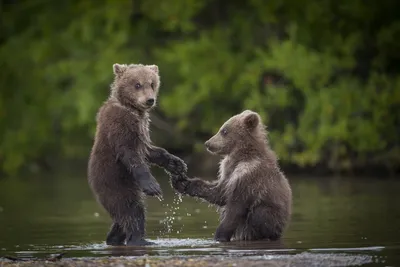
point(339, 221)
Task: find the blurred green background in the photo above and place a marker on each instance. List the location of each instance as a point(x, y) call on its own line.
point(324, 75)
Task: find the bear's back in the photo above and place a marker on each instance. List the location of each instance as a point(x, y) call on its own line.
point(255, 180)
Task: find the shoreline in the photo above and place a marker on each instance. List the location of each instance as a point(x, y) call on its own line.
point(302, 260)
point(203, 163)
point(210, 163)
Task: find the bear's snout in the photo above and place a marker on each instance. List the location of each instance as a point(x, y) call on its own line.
point(209, 146)
point(150, 102)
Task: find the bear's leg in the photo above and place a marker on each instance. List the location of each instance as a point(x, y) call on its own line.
point(233, 216)
point(134, 226)
point(116, 235)
point(263, 223)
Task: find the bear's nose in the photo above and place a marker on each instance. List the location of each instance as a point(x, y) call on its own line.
point(150, 102)
point(207, 144)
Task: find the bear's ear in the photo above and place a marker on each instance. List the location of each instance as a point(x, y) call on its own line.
point(251, 119)
point(153, 68)
point(119, 69)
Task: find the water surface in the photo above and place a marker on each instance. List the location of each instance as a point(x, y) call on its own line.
point(341, 220)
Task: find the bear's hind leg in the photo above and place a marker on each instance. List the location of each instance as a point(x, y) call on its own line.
point(134, 227)
point(116, 235)
point(264, 224)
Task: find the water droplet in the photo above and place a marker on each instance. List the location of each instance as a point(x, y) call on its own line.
point(172, 210)
point(96, 214)
point(205, 227)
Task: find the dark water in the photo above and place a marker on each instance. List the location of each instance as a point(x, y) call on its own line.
point(344, 221)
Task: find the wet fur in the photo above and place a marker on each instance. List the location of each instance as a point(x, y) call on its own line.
point(252, 194)
point(118, 169)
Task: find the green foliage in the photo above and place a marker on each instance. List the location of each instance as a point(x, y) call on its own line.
point(334, 100)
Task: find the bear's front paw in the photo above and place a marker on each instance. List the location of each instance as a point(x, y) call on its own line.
point(152, 189)
point(176, 165)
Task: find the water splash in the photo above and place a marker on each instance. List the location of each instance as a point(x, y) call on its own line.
point(171, 215)
point(178, 202)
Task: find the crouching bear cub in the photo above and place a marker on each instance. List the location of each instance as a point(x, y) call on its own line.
point(252, 193)
point(118, 169)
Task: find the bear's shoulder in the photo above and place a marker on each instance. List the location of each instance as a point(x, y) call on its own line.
point(116, 113)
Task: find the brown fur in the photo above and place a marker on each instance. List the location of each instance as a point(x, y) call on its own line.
point(118, 169)
point(253, 195)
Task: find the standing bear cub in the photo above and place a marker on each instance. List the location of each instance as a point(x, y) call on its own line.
point(118, 169)
point(252, 193)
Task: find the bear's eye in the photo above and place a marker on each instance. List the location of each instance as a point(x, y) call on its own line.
point(152, 85)
point(138, 86)
point(224, 131)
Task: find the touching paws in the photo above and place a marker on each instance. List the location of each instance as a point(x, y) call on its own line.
point(175, 165)
point(179, 182)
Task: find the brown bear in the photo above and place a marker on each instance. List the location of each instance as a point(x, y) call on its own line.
point(118, 169)
point(253, 195)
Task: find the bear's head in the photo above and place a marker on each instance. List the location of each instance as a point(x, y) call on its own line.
point(241, 131)
point(136, 85)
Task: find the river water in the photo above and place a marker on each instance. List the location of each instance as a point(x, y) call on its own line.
point(336, 221)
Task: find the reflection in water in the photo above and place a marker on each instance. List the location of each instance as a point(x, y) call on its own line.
point(333, 218)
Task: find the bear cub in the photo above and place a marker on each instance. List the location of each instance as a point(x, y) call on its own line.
point(118, 169)
point(253, 196)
